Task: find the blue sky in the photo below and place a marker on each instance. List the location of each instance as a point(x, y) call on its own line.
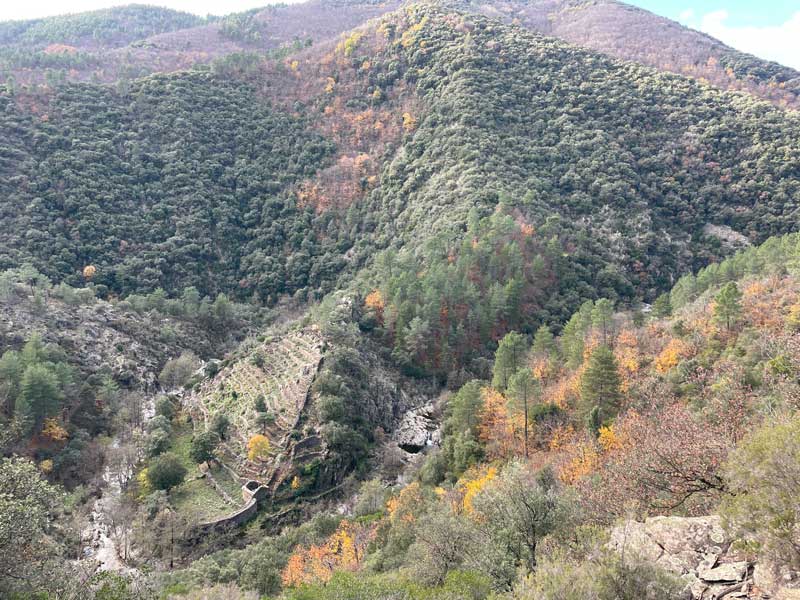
point(742, 12)
point(766, 28)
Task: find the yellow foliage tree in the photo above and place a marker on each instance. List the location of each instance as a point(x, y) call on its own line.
point(53, 431)
point(626, 351)
point(671, 355)
point(402, 508)
point(584, 460)
point(409, 122)
point(89, 271)
point(472, 484)
point(609, 439)
point(258, 447)
point(497, 428)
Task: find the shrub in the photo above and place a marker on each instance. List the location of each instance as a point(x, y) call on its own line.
point(607, 577)
point(165, 408)
point(203, 445)
point(157, 442)
point(166, 472)
point(762, 476)
point(176, 372)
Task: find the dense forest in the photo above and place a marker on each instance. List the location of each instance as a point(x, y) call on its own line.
point(178, 181)
point(355, 301)
point(111, 27)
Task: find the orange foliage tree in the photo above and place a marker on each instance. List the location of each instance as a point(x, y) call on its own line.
point(499, 430)
point(344, 550)
point(671, 355)
point(54, 431)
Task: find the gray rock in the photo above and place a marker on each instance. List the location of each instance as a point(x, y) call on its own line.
point(728, 572)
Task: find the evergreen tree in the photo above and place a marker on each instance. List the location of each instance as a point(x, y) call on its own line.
point(727, 305)
point(662, 307)
point(509, 358)
point(603, 318)
point(464, 408)
point(543, 342)
point(600, 385)
point(203, 445)
point(39, 395)
point(522, 390)
point(572, 337)
point(166, 472)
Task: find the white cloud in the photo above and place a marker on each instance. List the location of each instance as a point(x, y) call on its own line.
point(687, 16)
point(780, 43)
point(32, 9)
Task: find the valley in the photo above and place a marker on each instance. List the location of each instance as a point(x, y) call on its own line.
point(429, 300)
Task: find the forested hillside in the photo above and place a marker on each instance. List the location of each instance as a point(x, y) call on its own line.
point(354, 300)
point(178, 181)
point(639, 186)
point(679, 412)
point(525, 187)
point(631, 33)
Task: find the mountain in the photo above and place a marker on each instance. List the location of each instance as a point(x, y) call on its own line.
point(631, 33)
point(348, 299)
point(135, 40)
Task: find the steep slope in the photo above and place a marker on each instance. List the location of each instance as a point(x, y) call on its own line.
point(626, 174)
point(588, 184)
point(170, 184)
point(631, 33)
point(135, 40)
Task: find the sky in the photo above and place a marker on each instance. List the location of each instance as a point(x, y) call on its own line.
point(767, 28)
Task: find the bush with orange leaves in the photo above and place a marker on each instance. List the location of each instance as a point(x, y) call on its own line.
point(374, 302)
point(669, 460)
point(344, 550)
point(581, 459)
point(52, 430)
point(675, 351)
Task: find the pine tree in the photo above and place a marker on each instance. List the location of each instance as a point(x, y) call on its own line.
point(508, 359)
point(600, 384)
point(662, 307)
point(543, 342)
point(572, 336)
point(39, 395)
point(603, 318)
point(522, 390)
point(727, 306)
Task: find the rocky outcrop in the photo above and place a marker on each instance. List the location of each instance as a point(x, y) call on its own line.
point(702, 553)
point(418, 429)
point(101, 336)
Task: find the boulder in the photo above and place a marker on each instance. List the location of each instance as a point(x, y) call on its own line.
point(728, 572)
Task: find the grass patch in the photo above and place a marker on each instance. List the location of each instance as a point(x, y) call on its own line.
point(195, 499)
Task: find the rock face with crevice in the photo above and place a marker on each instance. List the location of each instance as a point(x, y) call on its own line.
point(418, 430)
point(702, 553)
